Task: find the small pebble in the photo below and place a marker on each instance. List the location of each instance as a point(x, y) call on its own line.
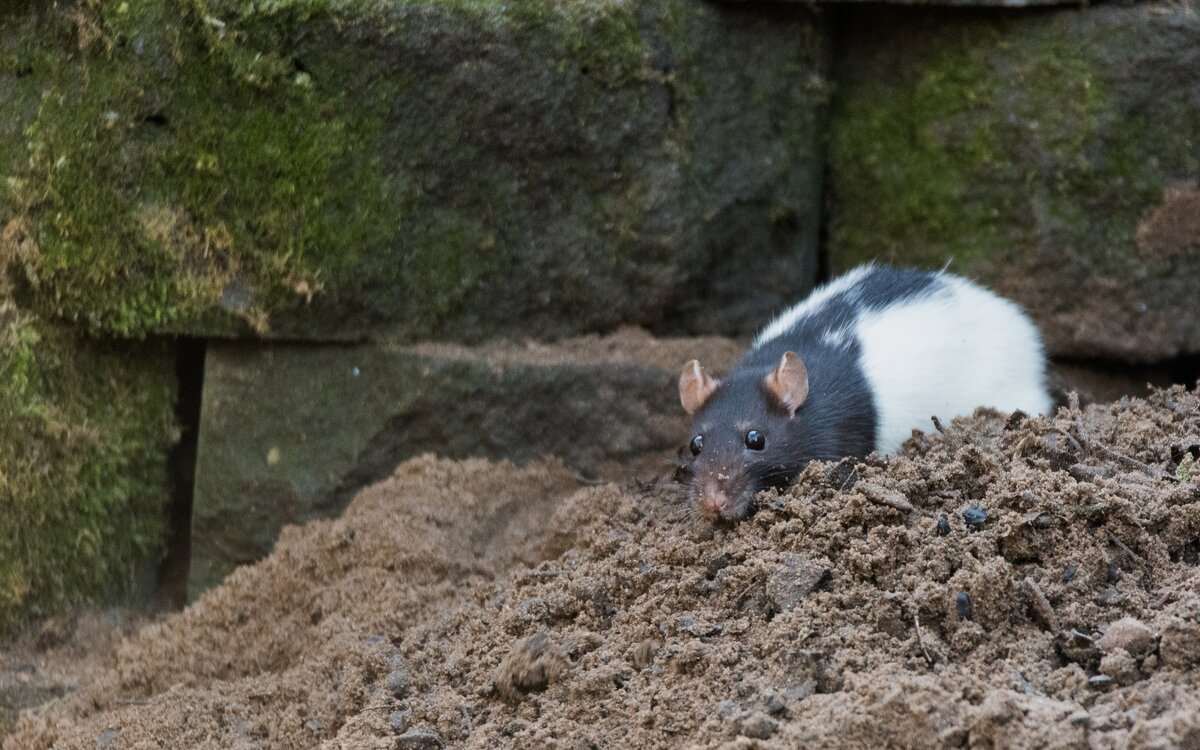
point(758, 726)
point(792, 580)
point(717, 564)
point(1100, 681)
point(1069, 573)
point(1076, 638)
point(1180, 645)
point(943, 526)
point(417, 740)
point(535, 609)
point(964, 607)
point(643, 654)
point(1130, 635)
point(399, 720)
point(775, 704)
point(1120, 666)
point(975, 516)
point(1114, 573)
point(700, 628)
point(727, 708)
point(1042, 520)
point(398, 681)
point(1015, 419)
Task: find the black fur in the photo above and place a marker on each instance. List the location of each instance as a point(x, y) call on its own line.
point(882, 287)
point(838, 418)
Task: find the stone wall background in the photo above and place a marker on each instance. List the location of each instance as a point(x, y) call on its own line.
point(309, 188)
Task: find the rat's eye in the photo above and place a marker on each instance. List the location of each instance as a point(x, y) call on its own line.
point(755, 440)
point(697, 445)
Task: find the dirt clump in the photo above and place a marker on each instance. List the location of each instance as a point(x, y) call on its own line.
point(1171, 228)
point(1004, 582)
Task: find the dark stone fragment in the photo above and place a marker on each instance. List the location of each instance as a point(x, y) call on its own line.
point(1015, 420)
point(1114, 573)
point(975, 516)
point(964, 607)
point(1100, 681)
point(716, 564)
point(398, 681)
point(943, 526)
point(399, 720)
point(776, 706)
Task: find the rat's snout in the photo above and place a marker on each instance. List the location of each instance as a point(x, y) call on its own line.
point(715, 502)
point(719, 495)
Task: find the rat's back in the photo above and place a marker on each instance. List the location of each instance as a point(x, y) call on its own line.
point(927, 343)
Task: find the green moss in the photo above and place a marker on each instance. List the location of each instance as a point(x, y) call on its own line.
point(181, 182)
point(914, 154)
point(425, 167)
point(255, 183)
point(84, 433)
point(981, 140)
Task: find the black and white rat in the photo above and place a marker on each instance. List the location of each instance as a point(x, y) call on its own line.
point(854, 368)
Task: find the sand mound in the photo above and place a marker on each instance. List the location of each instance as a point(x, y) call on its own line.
point(1005, 582)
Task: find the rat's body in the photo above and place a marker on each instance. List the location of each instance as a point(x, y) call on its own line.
point(854, 368)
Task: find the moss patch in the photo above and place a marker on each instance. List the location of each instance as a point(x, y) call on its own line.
point(324, 169)
point(84, 434)
point(180, 179)
point(988, 137)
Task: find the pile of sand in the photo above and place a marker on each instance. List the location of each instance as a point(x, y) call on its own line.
point(1005, 582)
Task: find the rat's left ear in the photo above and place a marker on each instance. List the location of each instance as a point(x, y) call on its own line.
point(789, 382)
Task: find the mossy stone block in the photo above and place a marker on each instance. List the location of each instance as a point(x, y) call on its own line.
point(1051, 155)
point(401, 169)
point(85, 431)
point(289, 432)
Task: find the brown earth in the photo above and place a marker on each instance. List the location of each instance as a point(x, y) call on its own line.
point(475, 604)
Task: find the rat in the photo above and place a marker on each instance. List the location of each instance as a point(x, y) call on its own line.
point(854, 368)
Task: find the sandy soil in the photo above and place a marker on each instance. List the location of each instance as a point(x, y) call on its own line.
point(1006, 582)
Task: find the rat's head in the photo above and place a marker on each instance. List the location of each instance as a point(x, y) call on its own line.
point(743, 433)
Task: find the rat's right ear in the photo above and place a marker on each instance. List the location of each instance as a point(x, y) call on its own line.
point(695, 386)
point(789, 382)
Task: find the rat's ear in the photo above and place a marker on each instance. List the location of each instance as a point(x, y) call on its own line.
point(789, 382)
point(695, 386)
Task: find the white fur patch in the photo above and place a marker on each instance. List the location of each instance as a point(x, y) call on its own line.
point(945, 354)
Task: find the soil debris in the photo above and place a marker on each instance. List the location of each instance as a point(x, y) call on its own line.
point(474, 604)
point(530, 667)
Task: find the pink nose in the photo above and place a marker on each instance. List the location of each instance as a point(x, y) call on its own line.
point(715, 503)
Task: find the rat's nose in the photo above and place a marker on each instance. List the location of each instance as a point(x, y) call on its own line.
point(714, 503)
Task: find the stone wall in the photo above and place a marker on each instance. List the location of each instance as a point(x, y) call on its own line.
point(315, 186)
point(335, 170)
point(291, 431)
